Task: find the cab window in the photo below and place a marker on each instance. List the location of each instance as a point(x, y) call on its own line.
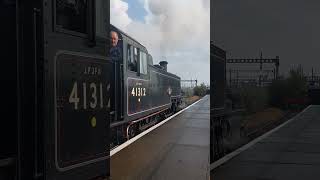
point(143, 63)
point(132, 58)
point(71, 15)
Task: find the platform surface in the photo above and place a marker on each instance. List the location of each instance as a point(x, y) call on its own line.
point(292, 152)
point(178, 149)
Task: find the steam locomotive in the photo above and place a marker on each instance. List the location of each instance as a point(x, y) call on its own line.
point(68, 101)
point(144, 92)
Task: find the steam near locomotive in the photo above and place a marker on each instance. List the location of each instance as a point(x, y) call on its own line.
point(144, 92)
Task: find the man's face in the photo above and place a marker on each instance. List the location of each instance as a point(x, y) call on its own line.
point(114, 39)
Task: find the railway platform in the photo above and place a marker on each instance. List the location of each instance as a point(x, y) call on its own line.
point(178, 149)
point(290, 151)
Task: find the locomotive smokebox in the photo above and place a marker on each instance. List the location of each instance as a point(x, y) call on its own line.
point(164, 65)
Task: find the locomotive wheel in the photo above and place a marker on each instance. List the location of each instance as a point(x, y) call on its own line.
point(132, 131)
point(158, 118)
point(174, 108)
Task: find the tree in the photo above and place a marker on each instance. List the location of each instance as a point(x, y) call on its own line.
point(200, 90)
point(293, 87)
point(254, 98)
point(297, 84)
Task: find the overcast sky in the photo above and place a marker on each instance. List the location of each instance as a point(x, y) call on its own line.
point(178, 30)
point(286, 28)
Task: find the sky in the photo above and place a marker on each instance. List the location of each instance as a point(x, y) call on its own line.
point(177, 31)
point(287, 28)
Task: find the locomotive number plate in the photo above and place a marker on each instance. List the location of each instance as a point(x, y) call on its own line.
point(82, 102)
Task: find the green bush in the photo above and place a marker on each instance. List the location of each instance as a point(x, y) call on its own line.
point(295, 86)
point(200, 90)
point(187, 92)
point(254, 98)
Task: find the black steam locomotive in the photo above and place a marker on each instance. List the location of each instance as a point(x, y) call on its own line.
point(144, 92)
point(64, 94)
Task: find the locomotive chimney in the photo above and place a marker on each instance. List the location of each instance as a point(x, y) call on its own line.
point(164, 64)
